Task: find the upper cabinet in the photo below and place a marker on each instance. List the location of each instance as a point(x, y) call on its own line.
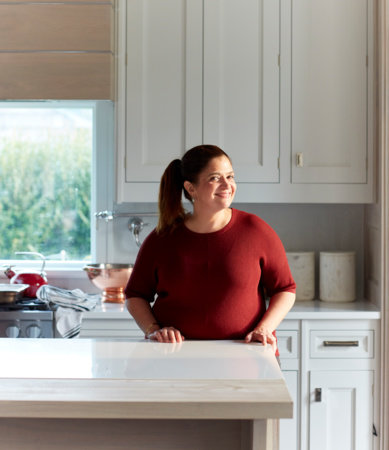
point(163, 78)
point(197, 72)
point(286, 92)
point(241, 85)
point(330, 79)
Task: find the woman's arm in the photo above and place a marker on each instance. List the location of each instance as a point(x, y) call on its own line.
point(279, 306)
point(141, 311)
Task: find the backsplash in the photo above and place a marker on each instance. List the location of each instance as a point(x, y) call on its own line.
point(300, 227)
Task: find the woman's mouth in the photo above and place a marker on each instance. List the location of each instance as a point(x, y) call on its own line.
point(224, 194)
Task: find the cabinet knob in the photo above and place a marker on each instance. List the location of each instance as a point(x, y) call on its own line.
point(318, 395)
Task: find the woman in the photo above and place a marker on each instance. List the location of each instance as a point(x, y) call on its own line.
point(209, 269)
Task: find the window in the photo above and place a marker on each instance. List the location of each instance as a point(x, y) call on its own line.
point(48, 187)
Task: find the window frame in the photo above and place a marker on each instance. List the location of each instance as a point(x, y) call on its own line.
point(102, 188)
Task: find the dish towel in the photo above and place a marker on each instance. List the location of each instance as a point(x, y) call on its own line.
point(70, 307)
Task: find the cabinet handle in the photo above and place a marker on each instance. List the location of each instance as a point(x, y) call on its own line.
point(341, 343)
point(299, 160)
point(318, 395)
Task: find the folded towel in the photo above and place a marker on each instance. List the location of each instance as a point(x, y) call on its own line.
point(68, 322)
point(70, 307)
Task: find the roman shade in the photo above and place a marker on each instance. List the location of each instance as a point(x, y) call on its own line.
point(56, 49)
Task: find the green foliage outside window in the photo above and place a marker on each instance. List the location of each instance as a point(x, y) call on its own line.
point(45, 191)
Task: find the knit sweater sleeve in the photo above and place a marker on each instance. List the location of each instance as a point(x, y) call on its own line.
point(143, 279)
point(276, 275)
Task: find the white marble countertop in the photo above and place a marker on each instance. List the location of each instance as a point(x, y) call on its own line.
point(134, 379)
point(315, 309)
point(135, 359)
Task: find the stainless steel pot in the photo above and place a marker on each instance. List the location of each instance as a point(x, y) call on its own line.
point(9, 293)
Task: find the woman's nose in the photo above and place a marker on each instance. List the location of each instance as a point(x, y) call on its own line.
point(224, 181)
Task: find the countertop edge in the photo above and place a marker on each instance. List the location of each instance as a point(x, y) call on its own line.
point(225, 399)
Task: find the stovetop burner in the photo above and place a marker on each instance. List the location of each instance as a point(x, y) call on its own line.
point(25, 304)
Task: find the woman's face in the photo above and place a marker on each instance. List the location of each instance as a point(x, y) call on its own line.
point(215, 187)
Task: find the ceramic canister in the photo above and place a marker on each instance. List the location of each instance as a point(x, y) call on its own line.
point(302, 266)
point(337, 276)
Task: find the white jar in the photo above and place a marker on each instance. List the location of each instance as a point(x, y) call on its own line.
point(337, 276)
point(302, 266)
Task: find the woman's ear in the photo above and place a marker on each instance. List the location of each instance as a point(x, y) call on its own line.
point(189, 187)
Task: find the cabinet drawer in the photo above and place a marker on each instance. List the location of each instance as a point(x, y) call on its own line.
point(111, 334)
point(109, 324)
point(341, 343)
point(288, 343)
point(110, 328)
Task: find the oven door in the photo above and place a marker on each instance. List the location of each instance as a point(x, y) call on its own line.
point(26, 324)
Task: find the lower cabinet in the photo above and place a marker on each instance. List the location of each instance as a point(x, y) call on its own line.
point(341, 410)
point(122, 328)
point(289, 436)
point(332, 375)
point(288, 337)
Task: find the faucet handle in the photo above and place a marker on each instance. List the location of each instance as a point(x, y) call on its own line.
point(135, 225)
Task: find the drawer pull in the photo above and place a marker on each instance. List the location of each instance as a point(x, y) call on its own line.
point(341, 343)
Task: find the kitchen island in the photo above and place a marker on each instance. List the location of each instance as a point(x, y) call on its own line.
point(117, 394)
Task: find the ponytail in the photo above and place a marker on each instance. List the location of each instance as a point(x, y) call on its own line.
point(171, 210)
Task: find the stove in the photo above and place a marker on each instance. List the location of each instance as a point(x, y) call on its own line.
point(26, 318)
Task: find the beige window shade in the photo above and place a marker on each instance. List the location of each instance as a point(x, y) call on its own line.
point(56, 50)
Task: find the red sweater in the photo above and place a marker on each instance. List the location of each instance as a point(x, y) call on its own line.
point(209, 285)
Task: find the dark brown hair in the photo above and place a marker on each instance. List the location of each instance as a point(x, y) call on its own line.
point(194, 161)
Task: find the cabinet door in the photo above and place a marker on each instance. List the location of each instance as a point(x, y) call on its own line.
point(342, 418)
point(289, 427)
point(241, 85)
point(163, 85)
point(330, 94)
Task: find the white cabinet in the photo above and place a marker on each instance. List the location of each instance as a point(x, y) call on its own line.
point(241, 85)
point(163, 84)
point(341, 408)
point(287, 92)
point(195, 72)
point(288, 341)
point(331, 369)
point(289, 436)
point(340, 376)
point(331, 58)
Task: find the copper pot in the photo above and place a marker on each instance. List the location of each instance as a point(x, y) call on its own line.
point(111, 279)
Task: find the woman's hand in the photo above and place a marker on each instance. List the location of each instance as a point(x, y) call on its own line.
point(262, 334)
point(280, 304)
point(166, 334)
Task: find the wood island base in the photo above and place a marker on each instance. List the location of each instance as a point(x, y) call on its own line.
point(137, 434)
